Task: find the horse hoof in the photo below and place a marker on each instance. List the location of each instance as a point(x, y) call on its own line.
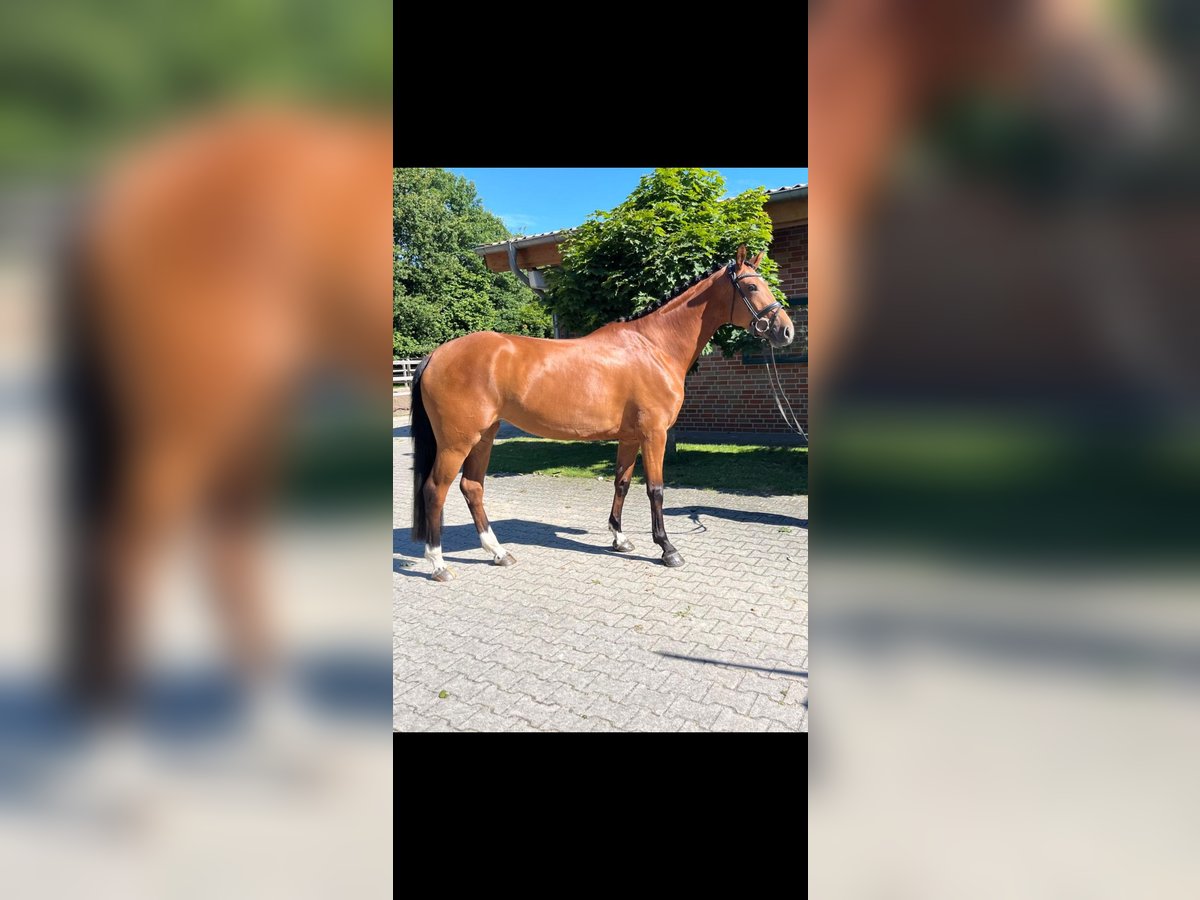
point(623, 547)
point(443, 575)
point(506, 560)
point(672, 559)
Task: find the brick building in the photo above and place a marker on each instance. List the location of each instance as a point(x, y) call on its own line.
point(724, 394)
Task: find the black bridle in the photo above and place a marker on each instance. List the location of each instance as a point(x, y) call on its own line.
point(761, 320)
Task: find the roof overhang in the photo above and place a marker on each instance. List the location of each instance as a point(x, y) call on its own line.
point(786, 206)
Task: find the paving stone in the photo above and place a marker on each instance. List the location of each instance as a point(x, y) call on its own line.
point(621, 639)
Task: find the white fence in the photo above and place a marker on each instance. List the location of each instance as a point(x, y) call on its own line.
point(402, 371)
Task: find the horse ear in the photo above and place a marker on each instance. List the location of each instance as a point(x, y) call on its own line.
point(741, 254)
point(757, 259)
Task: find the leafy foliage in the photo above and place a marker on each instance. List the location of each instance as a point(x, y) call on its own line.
point(79, 76)
point(673, 227)
point(441, 288)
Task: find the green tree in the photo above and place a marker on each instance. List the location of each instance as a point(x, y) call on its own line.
point(79, 77)
point(441, 288)
point(673, 227)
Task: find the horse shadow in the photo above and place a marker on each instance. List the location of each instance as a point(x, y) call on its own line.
point(333, 682)
point(736, 515)
point(41, 728)
point(460, 544)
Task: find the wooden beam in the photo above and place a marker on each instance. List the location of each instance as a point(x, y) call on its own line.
point(527, 257)
point(788, 212)
point(497, 260)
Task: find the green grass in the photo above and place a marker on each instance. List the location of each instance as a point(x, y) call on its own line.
point(335, 460)
point(1017, 488)
point(722, 467)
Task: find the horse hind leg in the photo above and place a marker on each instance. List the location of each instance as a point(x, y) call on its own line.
point(437, 485)
point(158, 484)
point(471, 484)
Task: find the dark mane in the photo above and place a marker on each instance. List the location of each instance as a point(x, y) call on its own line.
point(671, 295)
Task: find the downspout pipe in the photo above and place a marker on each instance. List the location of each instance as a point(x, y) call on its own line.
point(516, 270)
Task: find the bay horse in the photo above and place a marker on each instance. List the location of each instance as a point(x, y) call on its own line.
point(622, 382)
point(212, 270)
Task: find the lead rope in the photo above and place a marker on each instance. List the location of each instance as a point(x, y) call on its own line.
point(793, 424)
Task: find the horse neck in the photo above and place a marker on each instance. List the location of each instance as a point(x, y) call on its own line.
point(684, 325)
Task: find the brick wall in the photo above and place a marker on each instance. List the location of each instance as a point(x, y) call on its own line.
point(790, 249)
point(727, 395)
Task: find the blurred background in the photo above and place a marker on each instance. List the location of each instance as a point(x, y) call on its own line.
point(1006, 381)
point(159, 159)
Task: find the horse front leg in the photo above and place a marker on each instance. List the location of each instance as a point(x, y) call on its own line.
point(626, 457)
point(653, 448)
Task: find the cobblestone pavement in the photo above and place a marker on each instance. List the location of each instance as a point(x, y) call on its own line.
point(577, 638)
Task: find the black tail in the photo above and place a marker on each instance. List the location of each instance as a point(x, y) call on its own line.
point(424, 453)
point(93, 455)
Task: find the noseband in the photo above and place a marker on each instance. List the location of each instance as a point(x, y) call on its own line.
point(760, 320)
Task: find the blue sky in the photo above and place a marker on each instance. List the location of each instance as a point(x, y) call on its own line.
point(534, 200)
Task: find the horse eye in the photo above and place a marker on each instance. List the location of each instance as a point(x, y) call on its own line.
point(753, 287)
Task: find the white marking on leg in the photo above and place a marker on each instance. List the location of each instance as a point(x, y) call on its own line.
point(433, 553)
point(488, 539)
point(618, 538)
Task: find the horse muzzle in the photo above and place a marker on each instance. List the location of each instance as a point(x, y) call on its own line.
point(779, 331)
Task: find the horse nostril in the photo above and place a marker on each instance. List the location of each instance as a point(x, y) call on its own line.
point(788, 332)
